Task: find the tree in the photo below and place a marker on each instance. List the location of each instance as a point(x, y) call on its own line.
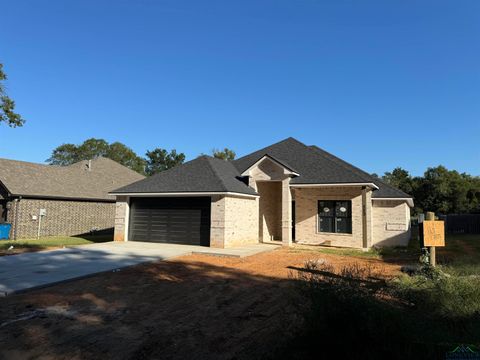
point(225, 154)
point(63, 155)
point(7, 105)
point(160, 160)
point(439, 190)
point(126, 156)
point(400, 179)
point(68, 154)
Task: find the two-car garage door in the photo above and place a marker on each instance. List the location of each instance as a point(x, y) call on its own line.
point(170, 220)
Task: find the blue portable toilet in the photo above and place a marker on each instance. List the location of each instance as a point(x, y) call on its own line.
point(5, 231)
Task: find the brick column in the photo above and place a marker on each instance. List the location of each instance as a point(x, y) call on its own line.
point(286, 213)
point(122, 211)
point(366, 218)
point(217, 222)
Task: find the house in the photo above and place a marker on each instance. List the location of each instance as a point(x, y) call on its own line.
point(60, 200)
point(287, 191)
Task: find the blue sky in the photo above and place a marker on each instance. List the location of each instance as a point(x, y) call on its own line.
point(378, 83)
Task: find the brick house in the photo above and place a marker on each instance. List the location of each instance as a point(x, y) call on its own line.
point(287, 192)
point(60, 200)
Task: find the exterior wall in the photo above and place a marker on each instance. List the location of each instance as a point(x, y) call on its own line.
point(62, 217)
point(306, 216)
point(270, 210)
point(275, 210)
point(217, 222)
point(122, 209)
point(234, 221)
point(391, 223)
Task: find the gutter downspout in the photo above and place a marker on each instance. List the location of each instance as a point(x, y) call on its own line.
point(15, 217)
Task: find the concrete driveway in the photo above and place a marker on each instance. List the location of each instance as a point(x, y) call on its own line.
point(32, 270)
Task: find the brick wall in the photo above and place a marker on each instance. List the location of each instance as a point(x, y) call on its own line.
point(234, 221)
point(270, 206)
point(391, 223)
point(306, 217)
point(122, 209)
point(62, 218)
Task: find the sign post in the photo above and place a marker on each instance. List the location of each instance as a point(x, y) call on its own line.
point(433, 235)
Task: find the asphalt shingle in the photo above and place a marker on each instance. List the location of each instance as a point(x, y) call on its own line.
point(203, 174)
point(76, 181)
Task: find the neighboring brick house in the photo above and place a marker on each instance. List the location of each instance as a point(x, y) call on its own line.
point(60, 200)
point(288, 191)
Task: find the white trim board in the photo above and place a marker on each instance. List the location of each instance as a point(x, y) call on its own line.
point(287, 172)
point(372, 185)
point(184, 194)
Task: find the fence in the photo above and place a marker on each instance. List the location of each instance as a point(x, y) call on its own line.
point(462, 223)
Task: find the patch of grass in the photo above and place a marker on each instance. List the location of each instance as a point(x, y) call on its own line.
point(50, 242)
point(461, 255)
point(357, 313)
point(372, 253)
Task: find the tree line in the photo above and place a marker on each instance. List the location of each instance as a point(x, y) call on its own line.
point(439, 190)
point(155, 160)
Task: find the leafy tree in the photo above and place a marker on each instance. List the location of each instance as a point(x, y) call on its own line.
point(400, 179)
point(439, 189)
point(7, 105)
point(65, 154)
point(160, 160)
point(68, 154)
point(125, 156)
point(225, 154)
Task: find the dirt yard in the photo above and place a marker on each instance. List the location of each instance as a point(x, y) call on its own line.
point(194, 307)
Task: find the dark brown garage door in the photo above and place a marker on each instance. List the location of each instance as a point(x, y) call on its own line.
point(170, 220)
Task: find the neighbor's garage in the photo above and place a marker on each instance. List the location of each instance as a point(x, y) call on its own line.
point(183, 220)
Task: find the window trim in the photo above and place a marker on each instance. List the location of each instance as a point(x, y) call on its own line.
point(349, 201)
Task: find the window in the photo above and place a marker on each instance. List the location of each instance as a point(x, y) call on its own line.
point(335, 216)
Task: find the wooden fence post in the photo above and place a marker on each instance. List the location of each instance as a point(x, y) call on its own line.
point(431, 249)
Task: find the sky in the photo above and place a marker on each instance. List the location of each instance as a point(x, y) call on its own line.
point(380, 83)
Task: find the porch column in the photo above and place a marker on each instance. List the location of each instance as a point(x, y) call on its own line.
point(286, 213)
point(366, 217)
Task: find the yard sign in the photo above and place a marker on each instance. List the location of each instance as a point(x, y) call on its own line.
point(433, 233)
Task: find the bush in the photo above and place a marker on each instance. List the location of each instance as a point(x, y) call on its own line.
point(355, 312)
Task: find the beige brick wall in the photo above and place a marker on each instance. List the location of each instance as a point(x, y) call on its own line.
point(306, 222)
point(234, 221)
point(391, 223)
point(63, 217)
point(241, 221)
point(270, 210)
point(121, 219)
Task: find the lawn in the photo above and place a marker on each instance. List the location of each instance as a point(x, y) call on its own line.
point(26, 245)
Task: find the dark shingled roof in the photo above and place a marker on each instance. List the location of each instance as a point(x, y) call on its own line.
point(21, 178)
point(316, 166)
point(203, 174)
point(207, 174)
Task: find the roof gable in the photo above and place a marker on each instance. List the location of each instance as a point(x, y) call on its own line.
point(317, 166)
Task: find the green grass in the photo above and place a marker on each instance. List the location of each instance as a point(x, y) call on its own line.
point(357, 313)
point(49, 242)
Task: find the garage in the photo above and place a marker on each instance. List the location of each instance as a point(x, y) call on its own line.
point(176, 220)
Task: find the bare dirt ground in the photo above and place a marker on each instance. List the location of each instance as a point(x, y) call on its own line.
point(193, 307)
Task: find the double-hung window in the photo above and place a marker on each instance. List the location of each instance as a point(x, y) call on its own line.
point(335, 216)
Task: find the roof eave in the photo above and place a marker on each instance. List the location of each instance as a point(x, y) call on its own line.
point(372, 185)
point(183, 194)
